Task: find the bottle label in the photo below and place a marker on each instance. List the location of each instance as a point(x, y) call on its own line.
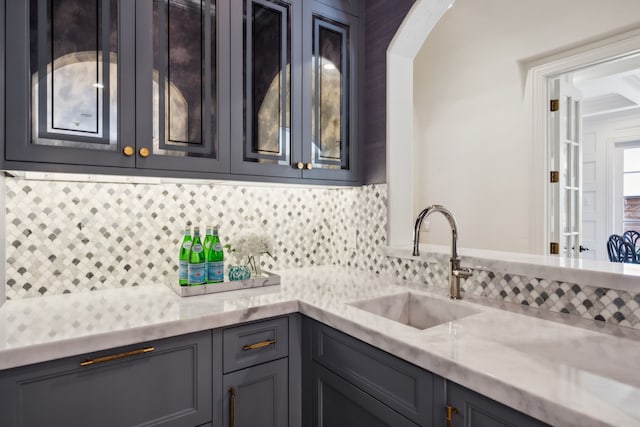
point(196, 273)
point(217, 247)
point(215, 271)
point(207, 245)
point(197, 248)
point(187, 244)
point(182, 272)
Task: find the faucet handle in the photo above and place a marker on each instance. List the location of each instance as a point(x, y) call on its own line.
point(462, 272)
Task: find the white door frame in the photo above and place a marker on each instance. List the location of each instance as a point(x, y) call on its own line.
point(628, 139)
point(540, 72)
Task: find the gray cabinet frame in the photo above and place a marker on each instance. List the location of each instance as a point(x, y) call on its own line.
point(135, 63)
point(350, 99)
point(334, 361)
point(169, 386)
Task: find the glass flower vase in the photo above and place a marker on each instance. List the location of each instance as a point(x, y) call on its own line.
point(254, 265)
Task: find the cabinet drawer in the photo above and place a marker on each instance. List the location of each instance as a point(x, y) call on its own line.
point(398, 384)
point(249, 345)
point(168, 385)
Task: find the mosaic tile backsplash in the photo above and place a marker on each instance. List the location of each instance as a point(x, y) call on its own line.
point(66, 237)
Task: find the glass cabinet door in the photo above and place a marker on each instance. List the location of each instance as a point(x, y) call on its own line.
point(331, 125)
point(263, 126)
point(180, 124)
point(65, 66)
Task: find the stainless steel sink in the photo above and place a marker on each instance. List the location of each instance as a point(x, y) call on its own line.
point(416, 310)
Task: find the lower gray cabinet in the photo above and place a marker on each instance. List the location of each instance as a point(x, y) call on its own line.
point(470, 409)
point(338, 403)
point(348, 383)
point(161, 383)
point(257, 396)
point(394, 391)
point(260, 373)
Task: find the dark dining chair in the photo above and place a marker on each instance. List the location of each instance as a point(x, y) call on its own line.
point(620, 250)
point(631, 237)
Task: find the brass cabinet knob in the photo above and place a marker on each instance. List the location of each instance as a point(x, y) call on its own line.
point(144, 152)
point(128, 151)
point(300, 165)
point(309, 166)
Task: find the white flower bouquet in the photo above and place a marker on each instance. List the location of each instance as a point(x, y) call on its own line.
point(250, 244)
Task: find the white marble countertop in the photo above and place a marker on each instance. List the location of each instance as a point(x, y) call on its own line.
point(612, 275)
point(558, 373)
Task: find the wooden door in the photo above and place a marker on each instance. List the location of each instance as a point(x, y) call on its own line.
point(182, 57)
point(338, 403)
point(70, 99)
point(265, 85)
point(257, 396)
point(330, 93)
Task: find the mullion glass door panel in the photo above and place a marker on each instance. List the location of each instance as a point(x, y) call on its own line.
point(331, 126)
point(263, 124)
point(329, 94)
point(179, 87)
point(65, 69)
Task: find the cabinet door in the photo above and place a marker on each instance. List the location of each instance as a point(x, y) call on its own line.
point(170, 385)
point(71, 67)
point(257, 396)
point(181, 90)
point(338, 403)
point(476, 410)
point(265, 55)
point(330, 95)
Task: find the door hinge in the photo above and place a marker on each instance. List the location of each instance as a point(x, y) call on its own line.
point(554, 248)
point(554, 176)
point(554, 105)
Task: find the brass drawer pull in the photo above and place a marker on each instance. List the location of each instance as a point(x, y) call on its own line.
point(258, 345)
point(449, 416)
point(90, 362)
point(232, 407)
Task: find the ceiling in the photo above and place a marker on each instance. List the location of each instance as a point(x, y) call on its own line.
point(610, 88)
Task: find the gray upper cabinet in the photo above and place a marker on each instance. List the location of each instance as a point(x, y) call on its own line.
point(295, 101)
point(330, 81)
point(119, 83)
point(71, 81)
point(266, 84)
point(182, 91)
point(250, 89)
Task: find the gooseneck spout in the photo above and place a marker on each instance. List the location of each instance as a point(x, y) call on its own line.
point(455, 271)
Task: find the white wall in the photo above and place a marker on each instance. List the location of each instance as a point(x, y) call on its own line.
point(472, 108)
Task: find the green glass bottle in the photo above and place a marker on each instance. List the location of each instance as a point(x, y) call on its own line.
point(215, 259)
point(185, 249)
point(208, 237)
point(196, 266)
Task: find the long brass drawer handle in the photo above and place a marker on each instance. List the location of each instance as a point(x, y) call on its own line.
point(109, 358)
point(449, 415)
point(258, 345)
point(232, 407)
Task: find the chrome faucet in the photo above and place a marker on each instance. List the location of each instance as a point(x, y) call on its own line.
point(455, 271)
